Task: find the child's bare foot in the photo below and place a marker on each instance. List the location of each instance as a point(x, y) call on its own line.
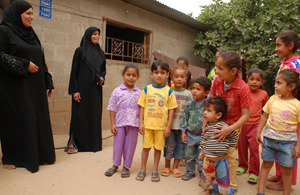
point(273, 178)
point(9, 167)
point(278, 186)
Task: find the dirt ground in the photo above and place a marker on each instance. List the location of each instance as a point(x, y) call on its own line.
point(83, 174)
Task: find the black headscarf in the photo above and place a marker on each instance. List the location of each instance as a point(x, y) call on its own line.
point(92, 55)
point(12, 18)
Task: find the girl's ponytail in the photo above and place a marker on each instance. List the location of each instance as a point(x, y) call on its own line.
point(244, 70)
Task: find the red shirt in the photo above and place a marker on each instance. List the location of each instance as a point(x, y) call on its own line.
point(237, 97)
point(259, 98)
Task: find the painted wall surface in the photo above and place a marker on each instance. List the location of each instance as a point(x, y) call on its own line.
point(61, 35)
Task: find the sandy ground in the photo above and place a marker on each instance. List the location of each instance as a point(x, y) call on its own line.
point(83, 174)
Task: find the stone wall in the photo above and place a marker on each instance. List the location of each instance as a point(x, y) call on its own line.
point(61, 35)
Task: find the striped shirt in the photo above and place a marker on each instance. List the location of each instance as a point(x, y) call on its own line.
point(209, 144)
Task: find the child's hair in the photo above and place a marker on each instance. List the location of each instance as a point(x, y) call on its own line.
point(220, 52)
point(203, 81)
point(291, 77)
point(179, 68)
point(159, 63)
point(218, 103)
point(233, 60)
point(131, 66)
point(185, 59)
point(256, 71)
point(289, 36)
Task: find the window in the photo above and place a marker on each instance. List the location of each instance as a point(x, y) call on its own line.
point(126, 43)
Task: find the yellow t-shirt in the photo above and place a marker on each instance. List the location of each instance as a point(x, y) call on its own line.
point(284, 115)
point(157, 101)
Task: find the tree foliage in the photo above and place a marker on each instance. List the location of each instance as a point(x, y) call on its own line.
point(249, 27)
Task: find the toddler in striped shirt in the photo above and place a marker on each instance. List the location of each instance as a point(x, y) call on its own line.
point(213, 153)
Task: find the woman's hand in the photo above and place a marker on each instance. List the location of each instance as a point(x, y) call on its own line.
point(32, 68)
point(222, 133)
point(101, 81)
point(50, 92)
point(76, 97)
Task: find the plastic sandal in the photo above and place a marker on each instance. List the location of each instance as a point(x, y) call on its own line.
point(252, 179)
point(176, 173)
point(110, 172)
point(155, 177)
point(233, 191)
point(125, 173)
point(165, 172)
point(240, 171)
point(187, 176)
point(141, 176)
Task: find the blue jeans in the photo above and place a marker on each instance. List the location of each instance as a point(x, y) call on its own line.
point(192, 152)
point(283, 149)
point(174, 147)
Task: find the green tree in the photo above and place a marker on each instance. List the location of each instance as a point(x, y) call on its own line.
point(249, 27)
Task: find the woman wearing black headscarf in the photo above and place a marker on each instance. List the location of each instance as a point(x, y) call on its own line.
point(25, 129)
point(86, 80)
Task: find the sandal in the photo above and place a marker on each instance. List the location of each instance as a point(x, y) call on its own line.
point(165, 172)
point(187, 176)
point(176, 173)
point(125, 173)
point(155, 177)
point(110, 172)
point(141, 176)
point(72, 150)
point(240, 171)
point(233, 191)
point(252, 179)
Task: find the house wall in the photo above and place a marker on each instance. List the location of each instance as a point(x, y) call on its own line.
point(61, 35)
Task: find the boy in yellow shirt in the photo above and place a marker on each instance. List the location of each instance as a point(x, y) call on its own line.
point(157, 106)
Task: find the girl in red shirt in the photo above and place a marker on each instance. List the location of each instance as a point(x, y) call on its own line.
point(236, 93)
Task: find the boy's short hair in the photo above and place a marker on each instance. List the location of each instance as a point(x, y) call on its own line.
point(159, 63)
point(203, 81)
point(218, 103)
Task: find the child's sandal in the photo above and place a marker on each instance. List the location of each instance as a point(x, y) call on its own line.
point(252, 179)
point(125, 173)
point(165, 172)
point(187, 176)
point(240, 171)
point(176, 173)
point(110, 172)
point(141, 176)
point(155, 177)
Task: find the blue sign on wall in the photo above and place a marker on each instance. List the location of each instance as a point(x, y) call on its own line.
point(46, 3)
point(45, 12)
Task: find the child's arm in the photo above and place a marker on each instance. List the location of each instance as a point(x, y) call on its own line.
point(141, 126)
point(201, 155)
point(167, 131)
point(261, 124)
point(183, 124)
point(113, 127)
point(296, 152)
point(225, 131)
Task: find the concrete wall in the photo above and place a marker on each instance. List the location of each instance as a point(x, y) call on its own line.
point(61, 35)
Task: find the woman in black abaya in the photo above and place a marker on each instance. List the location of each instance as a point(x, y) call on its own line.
point(25, 129)
point(86, 80)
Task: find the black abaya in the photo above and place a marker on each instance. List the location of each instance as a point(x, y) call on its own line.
point(85, 128)
point(25, 129)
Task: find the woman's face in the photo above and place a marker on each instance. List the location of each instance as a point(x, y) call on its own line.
point(27, 17)
point(95, 37)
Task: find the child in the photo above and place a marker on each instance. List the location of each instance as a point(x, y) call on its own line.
point(236, 94)
point(157, 105)
point(124, 118)
point(191, 125)
point(281, 117)
point(248, 133)
point(174, 147)
point(215, 164)
point(212, 74)
point(183, 61)
point(287, 44)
